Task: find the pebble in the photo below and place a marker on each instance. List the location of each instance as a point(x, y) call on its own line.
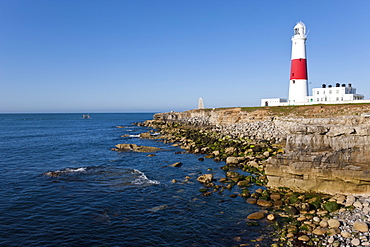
point(319, 231)
point(264, 203)
point(316, 219)
point(333, 223)
point(355, 242)
point(345, 234)
point(270, 217)
point(251, 200)
point(275, 196)
point(331, 240)
point(324, 223)
point(304, 238)
point(357, 204)
point(360, 226)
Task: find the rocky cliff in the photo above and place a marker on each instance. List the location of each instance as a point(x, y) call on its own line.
point(326, 147)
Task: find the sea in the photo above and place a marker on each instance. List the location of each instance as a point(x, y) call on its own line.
point(62, 185)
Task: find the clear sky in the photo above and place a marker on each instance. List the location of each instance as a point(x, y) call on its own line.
point(162, 55)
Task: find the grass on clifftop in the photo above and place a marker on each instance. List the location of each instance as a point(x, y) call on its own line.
point(319, 110)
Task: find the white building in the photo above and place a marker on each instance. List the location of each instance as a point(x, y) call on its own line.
point(334, 94)
point(273, 101)
point(327, 94)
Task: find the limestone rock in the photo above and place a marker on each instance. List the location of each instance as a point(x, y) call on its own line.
point(304, 238)
point(355, 242)
point(278, 203)
point(333, 223)
point(316, 219)
point(230, 150)
point(205, 178)
point(135, 148)
point(345, 234)
point(259, 190)
point(275, 196)
point(270, 217)
point(264, 203)
point(251, 200)
point(253, 163)
point(146, 135)
point(360, 226)
point(243, 183)
point(331, 240)
point(319, 231)
point(232, 160)
point(232, 174)
point(357, 204)
point(177, 164)
point(256, 216)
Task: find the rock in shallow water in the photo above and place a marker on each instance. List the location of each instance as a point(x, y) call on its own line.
point(177, 164)
point(251, 200)
point(135, 148)
point(205, 178)
point(158, 208)
point(256, 216)
point(264, 203)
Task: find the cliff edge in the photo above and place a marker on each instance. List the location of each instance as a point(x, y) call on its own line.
point(326, 146)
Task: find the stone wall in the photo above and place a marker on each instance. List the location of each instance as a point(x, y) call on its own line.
point(322, 154)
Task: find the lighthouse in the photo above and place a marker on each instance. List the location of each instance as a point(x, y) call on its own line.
point(298, 87)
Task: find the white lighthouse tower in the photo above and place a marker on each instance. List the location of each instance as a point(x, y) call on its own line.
point(298, 87)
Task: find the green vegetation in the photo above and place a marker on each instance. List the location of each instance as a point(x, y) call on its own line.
point(331, 206)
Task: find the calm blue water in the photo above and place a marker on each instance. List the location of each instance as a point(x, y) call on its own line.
point(102, 197)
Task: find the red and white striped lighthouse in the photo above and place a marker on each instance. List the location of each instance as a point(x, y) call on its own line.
point(298, 86)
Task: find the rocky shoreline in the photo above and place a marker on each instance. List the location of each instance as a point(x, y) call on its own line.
point(299, 218)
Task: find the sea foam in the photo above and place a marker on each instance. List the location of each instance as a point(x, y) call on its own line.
point(142, 179)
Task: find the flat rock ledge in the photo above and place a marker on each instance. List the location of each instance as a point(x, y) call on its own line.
point(135, 148)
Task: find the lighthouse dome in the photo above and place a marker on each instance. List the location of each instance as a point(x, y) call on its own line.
point(300, 25)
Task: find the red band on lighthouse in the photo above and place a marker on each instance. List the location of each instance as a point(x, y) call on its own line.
point(298, 70)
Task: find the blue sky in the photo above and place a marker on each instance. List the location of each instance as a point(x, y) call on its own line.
point(162, 55)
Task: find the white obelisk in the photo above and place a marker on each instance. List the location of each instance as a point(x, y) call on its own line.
point(200, 104)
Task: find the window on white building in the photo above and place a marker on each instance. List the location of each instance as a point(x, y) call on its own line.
point(329, 91)
point(318, 92)
point(337, 92)
point(337, 98)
